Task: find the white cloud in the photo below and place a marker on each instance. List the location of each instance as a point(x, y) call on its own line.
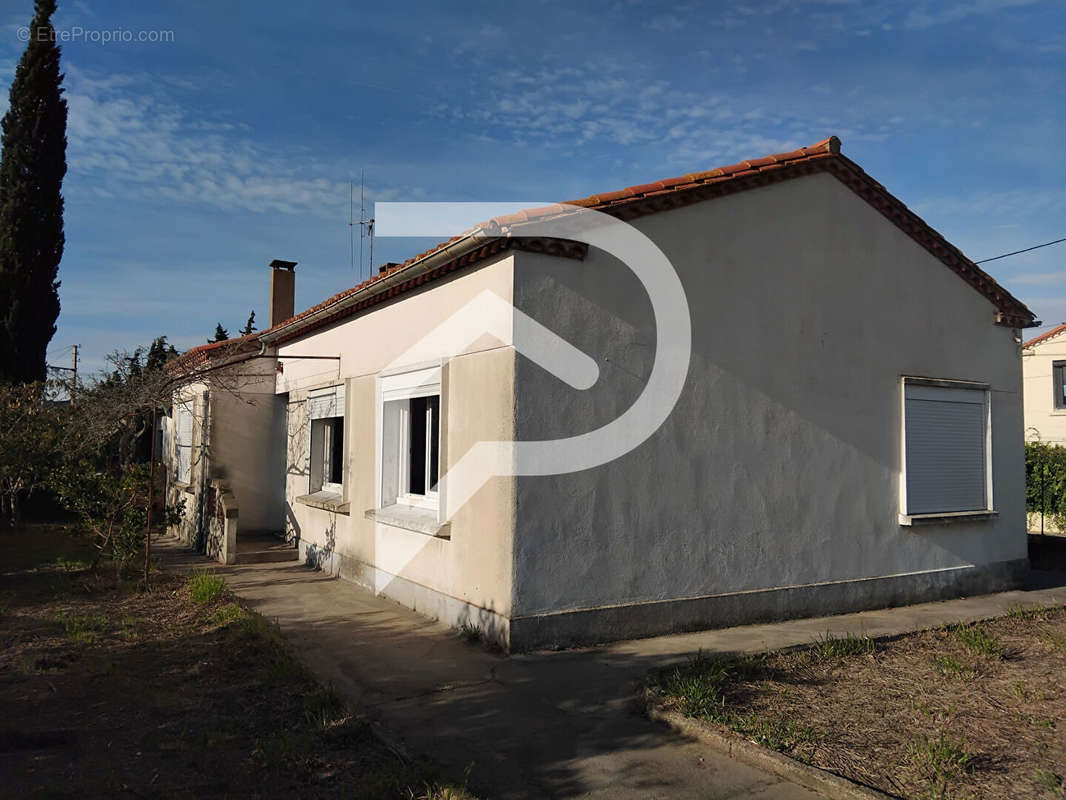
point(666, 23)
point(128, 136)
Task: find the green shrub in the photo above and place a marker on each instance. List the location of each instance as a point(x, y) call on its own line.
point(206, 587)
point(1045, 481)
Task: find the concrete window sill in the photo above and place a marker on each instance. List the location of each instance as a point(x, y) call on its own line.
point(411, 518)
point(327, 501)
point(946, 519)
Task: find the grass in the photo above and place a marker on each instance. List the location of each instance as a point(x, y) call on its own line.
point(82, 627)
point(228, 614)
point(1054, 639)
point(1024, 613)
point(833, 647)
point(1052, 782)
point(471, 634)
point(699, 688)
point(205, 587)
point(173, 692)
point(953, 666)
point(942, 760)
point(960, 711)
point(975, 637)
point(65, 564)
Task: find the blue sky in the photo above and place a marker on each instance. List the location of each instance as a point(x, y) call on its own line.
point(194, 162)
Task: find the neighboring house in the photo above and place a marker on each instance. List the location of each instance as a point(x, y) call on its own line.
point(1044, 374)
point(849, 435)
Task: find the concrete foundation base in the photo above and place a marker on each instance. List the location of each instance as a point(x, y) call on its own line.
point(640, 620)
point(494, 627)
point(635, 621)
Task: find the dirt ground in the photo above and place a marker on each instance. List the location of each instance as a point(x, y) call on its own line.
point(106, 690)
point(973, 711)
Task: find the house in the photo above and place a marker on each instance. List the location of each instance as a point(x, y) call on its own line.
point(1044, 377)
point(845, 431)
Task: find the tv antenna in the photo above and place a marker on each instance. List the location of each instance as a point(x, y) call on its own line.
point(366, 228)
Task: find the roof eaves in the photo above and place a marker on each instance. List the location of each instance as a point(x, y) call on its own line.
point(1045, 336)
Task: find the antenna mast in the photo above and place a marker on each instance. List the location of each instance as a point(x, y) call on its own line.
point(362, 220)
point(369, 225)
point(351, 223)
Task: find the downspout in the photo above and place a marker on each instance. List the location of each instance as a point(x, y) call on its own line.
point(202, 521)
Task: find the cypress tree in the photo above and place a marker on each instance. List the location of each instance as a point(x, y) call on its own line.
point(32, 167)
point(249, 326)
point(221, 334)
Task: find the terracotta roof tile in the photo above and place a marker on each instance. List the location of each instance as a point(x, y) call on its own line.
point(698, 186)
point(1060, 328)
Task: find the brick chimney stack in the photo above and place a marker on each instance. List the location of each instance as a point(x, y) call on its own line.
point(282, 290)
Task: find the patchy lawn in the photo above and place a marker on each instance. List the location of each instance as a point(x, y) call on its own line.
point(180, 692)
point(968, 711)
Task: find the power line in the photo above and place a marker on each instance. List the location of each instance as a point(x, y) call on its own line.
point(1018, 252)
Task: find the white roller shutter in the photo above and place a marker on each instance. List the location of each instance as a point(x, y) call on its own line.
point(946, 449)
point(325, 404)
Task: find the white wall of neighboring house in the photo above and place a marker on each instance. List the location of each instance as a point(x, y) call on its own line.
point(1043, 422)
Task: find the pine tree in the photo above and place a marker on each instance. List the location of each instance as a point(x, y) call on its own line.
point(32, 168)
point(249, 326)
point(220, 334)
point(159, 353)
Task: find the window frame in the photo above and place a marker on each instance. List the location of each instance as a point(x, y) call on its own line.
point(326, 414)
point(906, 517)
point(184, 408)
point(326, 429)
point(1058, 381)
point(395, 390)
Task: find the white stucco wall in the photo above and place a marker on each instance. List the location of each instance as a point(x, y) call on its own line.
point(780, 465)
point(473, 568)
point(246, 430)
point(1043, 421)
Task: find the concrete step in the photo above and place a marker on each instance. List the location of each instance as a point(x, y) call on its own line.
point(267, 556)
point(264, 550)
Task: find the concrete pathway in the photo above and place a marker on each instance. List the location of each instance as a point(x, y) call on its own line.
point(560, 724)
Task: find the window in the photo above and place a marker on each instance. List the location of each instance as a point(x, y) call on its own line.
point(327, 454)
point(183, 423)
point(1058, 383)
point(946, 448)
point(410, 430)
point(326, 417)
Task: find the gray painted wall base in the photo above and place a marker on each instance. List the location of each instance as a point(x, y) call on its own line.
point(641, 620)
point(635, 621)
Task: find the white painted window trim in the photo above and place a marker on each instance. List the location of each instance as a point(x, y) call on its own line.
point(406, 383)
point(907, 519)
point(326, 404)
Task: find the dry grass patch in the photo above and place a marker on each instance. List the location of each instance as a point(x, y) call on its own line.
point(965, 711)
point(178, 692)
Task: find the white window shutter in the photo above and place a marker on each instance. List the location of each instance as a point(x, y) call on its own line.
point(323, 405)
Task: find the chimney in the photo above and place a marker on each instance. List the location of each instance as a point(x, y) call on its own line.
point(282, 290)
